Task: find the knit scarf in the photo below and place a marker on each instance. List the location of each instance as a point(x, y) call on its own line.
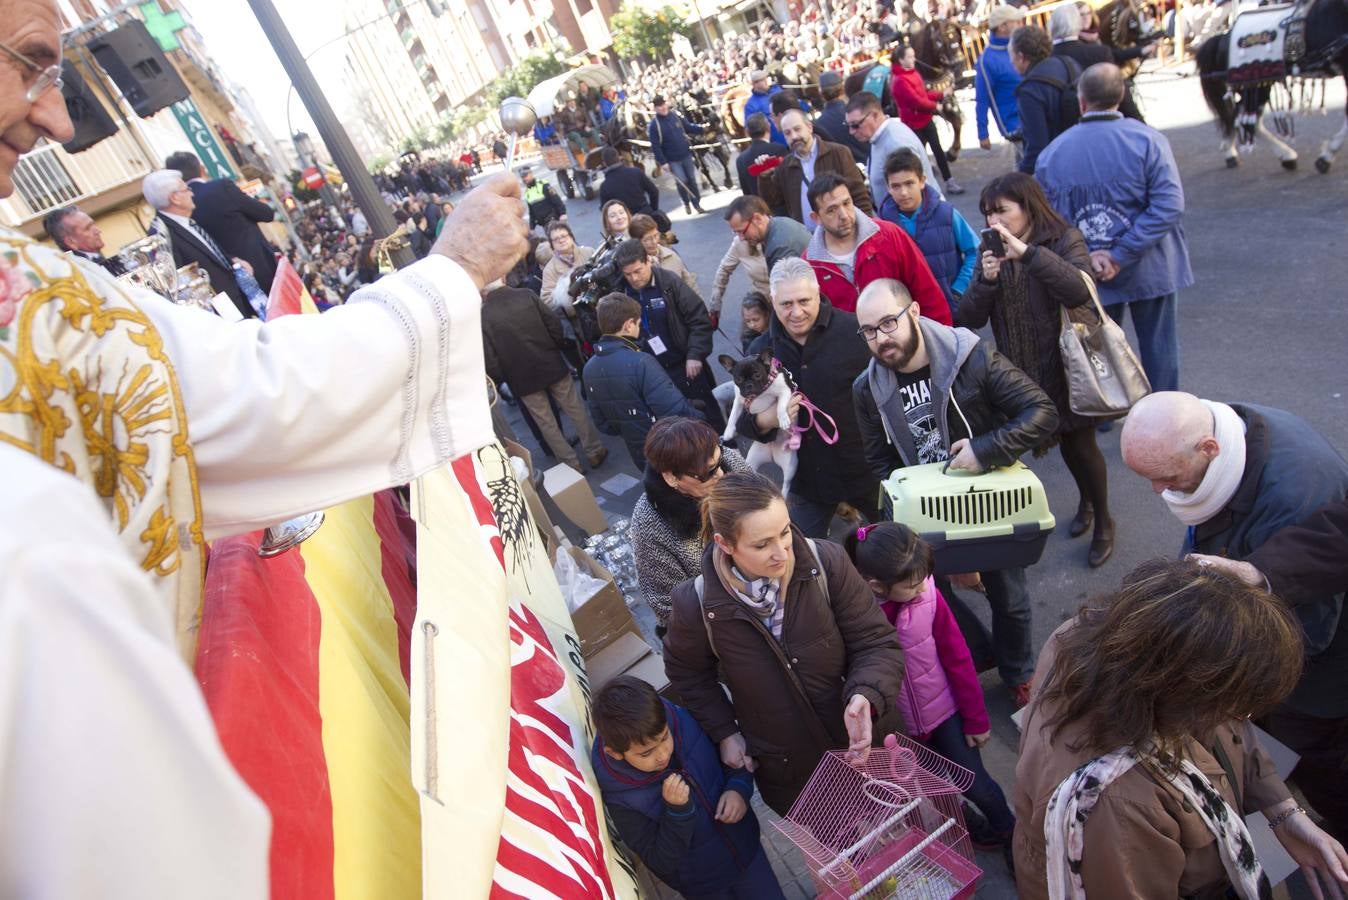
point(1222, 478)
point(768, 610)
point(1019, 322)
point(1076, 798)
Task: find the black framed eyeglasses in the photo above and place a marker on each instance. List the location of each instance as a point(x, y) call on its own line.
point(718, 466)
point(46, 77)
point(887, 325)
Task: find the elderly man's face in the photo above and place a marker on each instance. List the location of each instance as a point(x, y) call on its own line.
point(798, 131)
point(182, 201)
point(30, 27)
point(796, 304)
point(1182, 471)
point(83, 234)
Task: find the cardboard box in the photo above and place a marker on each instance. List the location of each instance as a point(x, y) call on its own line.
point(628, 655)
point(546, 529)
point(603, 618)
point(615, 659)
point(569, 490)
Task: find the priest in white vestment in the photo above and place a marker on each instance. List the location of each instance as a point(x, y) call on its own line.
point(131, 432)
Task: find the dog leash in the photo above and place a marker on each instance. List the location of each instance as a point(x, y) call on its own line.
point(816, 415)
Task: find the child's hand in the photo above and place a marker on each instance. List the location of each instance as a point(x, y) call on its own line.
point(977, 740)
point(731, 808)
point(674, 790)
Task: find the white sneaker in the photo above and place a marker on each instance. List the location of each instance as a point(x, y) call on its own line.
point(953, 187)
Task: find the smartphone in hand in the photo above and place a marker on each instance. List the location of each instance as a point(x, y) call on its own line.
point(992, 240)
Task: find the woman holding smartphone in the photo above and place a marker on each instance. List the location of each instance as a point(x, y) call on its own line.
point(1032, 266)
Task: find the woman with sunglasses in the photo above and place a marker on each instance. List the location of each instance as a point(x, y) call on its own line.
point(684, 460)
point(793, 631)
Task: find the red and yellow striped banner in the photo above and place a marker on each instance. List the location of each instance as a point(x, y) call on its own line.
point(303, 659)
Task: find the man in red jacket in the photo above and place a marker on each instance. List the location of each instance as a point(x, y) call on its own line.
point(849, 250)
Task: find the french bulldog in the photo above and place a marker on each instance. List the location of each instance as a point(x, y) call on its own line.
point(760, 385)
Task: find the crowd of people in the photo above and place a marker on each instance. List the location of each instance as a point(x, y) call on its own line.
point(868, 287)
point(1139, 758)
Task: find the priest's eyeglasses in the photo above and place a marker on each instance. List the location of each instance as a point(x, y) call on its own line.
point(45, 78)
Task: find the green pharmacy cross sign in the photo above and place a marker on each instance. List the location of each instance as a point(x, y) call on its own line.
point(163, 27)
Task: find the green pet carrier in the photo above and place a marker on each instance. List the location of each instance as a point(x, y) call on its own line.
point(974, 523)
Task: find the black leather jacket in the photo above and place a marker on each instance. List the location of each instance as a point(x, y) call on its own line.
point(974, 388)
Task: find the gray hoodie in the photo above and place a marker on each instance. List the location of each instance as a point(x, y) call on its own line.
point(947, 348)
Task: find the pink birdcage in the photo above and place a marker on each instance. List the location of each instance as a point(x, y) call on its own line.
point(891, 827)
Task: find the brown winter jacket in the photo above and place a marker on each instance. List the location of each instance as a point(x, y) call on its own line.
point(788, 697)
point(780, 187)
point(1141, 840)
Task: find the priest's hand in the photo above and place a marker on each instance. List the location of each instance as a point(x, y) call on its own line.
point(486, 234)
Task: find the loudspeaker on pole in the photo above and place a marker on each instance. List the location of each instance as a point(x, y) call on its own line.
point(91, 120)
point(133, 60)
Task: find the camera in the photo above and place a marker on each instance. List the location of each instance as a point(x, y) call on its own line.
point(596, 277)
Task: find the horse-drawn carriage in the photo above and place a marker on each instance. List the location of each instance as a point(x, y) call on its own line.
point(573, 164)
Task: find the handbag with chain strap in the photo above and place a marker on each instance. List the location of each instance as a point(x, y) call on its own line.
point(1104, 377)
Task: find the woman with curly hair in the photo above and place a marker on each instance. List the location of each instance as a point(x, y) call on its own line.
point(1138, 762)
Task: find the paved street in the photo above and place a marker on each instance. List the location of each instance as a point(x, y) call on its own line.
point(1265, 323)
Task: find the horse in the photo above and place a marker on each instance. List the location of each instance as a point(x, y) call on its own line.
point(939, 51)
point(1121, 27)
point(1240, 108)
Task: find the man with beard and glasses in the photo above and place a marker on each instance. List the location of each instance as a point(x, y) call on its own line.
point(907, 412)
point(850, 249)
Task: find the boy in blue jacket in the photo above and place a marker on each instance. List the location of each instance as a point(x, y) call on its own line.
point(626, 388)
point(945, 237)
point(684, 814)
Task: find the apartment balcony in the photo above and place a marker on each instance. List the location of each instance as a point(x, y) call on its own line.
point(105, 176)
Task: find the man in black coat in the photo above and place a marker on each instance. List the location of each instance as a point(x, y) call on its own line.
point(522, 343)
point(1064, 28)
point(230, 217)
point(758, 128)
point(832, 120)
point(675, 326)
point(819, 346)
point(173, 201)
point(935, 394)
point(632, 186)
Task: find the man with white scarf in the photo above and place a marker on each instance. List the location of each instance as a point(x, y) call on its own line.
point(1236, 474)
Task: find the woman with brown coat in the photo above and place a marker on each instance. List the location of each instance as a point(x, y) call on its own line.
point(797, 636)
point(1138, 762)
point(1042, 269)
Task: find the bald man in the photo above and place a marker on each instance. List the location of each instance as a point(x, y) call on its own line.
point(1236, 474)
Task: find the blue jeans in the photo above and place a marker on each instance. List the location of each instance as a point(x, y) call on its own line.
point(1156, 322)
point(1011, 624)
point(757, 882)
point(985, 793)
point(685, 170)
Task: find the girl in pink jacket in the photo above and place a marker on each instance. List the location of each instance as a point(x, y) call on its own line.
point(941, 700)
